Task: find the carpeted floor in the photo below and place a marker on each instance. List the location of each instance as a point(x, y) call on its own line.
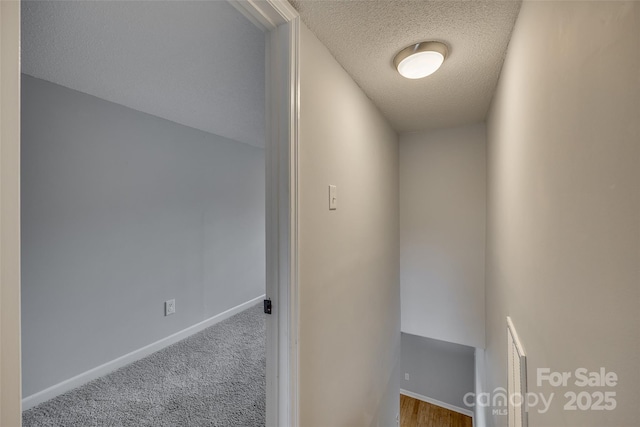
point(213, 378)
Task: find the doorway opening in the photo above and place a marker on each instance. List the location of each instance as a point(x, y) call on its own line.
point(108, 208)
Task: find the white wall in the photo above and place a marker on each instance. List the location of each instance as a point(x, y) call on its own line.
point(564, 203)
point(349, 258)
point(121, 211)
point(437, 369)
point(172, 59)
point(442, 233)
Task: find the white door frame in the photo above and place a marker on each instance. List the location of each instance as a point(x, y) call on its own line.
point(10, 381)
point(281, 25)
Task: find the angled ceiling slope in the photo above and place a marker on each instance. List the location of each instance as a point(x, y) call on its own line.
point(197, 63)
point(364, 36)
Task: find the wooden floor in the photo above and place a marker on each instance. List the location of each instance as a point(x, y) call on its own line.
point(416, 413)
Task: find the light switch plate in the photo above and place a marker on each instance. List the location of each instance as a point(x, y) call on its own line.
point(333, 197)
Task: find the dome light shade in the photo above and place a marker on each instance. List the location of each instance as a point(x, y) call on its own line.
point(420, 60)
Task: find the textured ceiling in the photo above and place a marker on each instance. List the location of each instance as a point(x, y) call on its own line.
point(364, 36)
point(199, 63)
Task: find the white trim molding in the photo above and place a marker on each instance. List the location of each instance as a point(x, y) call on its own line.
point(444, 405)
point(10, 381)
point(282, 216)
point(293, 221)
point(517, 415)
point(266, 14)
point(280, 22)
point(112, 365)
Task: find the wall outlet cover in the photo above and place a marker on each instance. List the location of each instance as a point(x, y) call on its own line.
point(169, 307)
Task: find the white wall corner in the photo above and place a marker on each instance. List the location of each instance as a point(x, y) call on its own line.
point(479, 419)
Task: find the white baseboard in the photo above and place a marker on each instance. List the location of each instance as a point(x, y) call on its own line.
point(99, 371)
point(444, 405)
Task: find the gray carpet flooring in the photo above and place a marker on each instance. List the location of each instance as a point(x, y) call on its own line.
point(213, 378)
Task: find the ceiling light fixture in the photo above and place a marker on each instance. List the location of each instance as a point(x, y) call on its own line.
point(421, 59)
